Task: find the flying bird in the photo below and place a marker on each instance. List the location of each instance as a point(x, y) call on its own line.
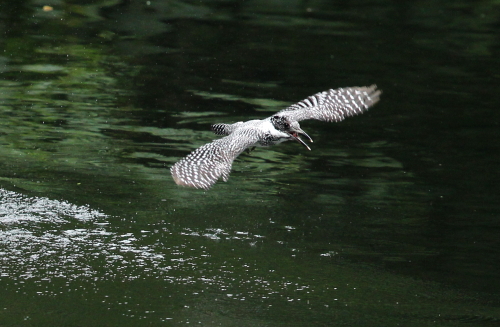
point(212, 161)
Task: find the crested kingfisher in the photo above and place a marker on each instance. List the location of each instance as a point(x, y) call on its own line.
point(205, 165)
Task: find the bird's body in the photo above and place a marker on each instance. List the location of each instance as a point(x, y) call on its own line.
point(262, 131)
point(205, 165)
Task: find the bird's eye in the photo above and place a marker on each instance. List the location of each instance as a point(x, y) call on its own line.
point(286, 125)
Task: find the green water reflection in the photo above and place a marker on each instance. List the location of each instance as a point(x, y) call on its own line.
point(390, 220)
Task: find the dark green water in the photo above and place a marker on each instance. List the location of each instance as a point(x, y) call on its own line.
point(392, 219)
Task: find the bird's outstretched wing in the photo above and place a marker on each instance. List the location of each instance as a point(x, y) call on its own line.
point(205, 165)
point(333, 105)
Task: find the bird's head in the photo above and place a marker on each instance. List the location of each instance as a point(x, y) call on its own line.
point(291, 128)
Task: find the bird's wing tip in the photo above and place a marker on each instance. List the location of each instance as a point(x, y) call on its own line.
point(180, 182)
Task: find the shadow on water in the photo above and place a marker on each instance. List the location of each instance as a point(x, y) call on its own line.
point(390, 220)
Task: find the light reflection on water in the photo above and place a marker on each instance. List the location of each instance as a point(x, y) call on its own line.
point(16, 208)
point(57, 249)
point(39, 242)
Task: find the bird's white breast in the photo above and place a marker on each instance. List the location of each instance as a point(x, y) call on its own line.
point(264, 131)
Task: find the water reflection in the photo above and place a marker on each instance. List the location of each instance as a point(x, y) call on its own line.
point(51, 243)
point(52, 247)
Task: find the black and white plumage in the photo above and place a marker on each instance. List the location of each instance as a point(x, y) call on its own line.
point(205, 165)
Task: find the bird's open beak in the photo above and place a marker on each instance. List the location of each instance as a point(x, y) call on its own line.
point(305, 134)
point(296, 137)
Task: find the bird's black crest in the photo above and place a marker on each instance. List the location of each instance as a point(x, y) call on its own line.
point(280, 123)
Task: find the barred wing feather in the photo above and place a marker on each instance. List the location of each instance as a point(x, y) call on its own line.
point(205, 165)
point(334, 105)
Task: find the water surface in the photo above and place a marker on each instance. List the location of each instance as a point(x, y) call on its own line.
point(391, 219)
